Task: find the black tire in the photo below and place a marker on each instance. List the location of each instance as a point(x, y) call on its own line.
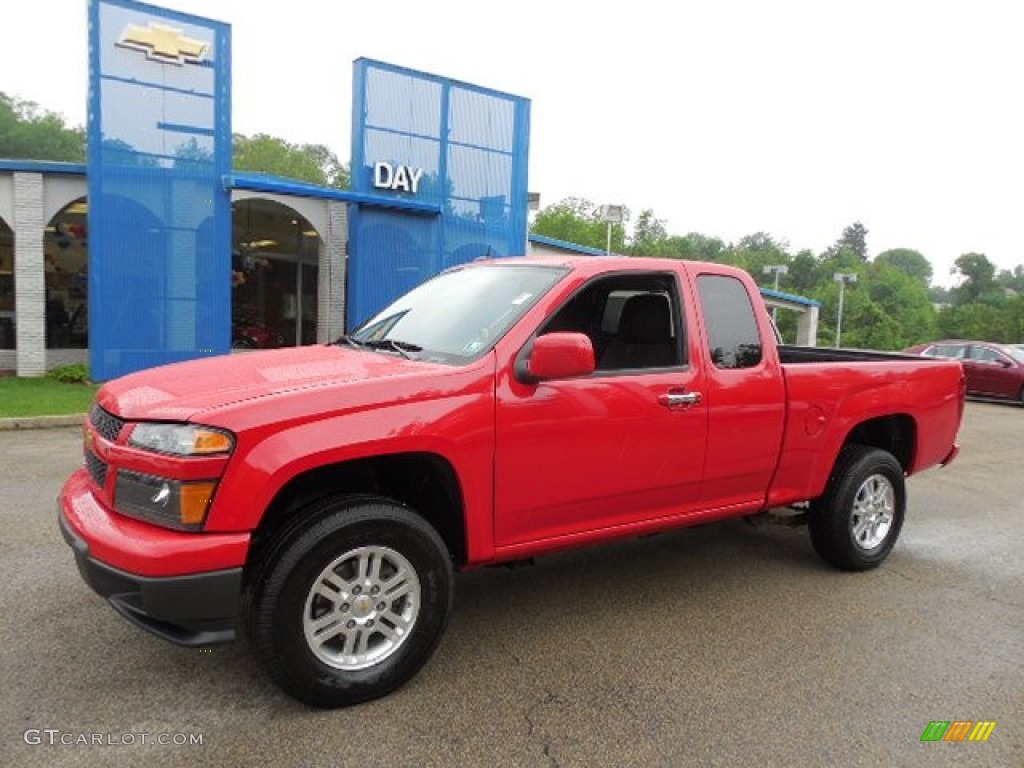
point(855, 524)
point(327, 628)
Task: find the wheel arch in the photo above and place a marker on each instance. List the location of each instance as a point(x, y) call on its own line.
point(425, 482)
point(894, 433)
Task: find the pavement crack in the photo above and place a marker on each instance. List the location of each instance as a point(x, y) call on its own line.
point(546, 741)
point(517, 659)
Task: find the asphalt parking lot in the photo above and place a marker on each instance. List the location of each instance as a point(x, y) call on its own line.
point(726, 645)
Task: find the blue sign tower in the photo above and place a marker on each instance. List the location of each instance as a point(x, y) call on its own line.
point(159, 138)
point(458, 148)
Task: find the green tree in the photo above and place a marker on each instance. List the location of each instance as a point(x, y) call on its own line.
point(939, 294)
point(305, 162)
point(866, 324)
point(909, 262)
point(855, 241)
point(698, 247)
point(32, 133)
point(754, 252)
point(973, 321)
point(903, 299)
point(1012, 279)
point(805, 273)
point(1013, 320)
point(978, 282)
point(576, 220)
point(336, 173)
point(650, 238)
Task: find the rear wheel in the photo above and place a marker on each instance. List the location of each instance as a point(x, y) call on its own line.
point(351, 605)
point(855, 524)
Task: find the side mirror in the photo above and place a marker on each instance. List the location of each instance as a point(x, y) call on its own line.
point(559, 356)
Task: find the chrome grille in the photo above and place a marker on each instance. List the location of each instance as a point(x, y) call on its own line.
point(97, 468)
point(108, 425)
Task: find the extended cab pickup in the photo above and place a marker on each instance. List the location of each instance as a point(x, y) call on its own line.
point(320, 498)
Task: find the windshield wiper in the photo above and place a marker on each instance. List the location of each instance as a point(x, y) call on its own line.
point(348, 341)
point(401, 347)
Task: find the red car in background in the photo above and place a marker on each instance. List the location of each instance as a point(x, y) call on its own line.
point(991, 370)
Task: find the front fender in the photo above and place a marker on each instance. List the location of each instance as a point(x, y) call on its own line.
point(458, 428)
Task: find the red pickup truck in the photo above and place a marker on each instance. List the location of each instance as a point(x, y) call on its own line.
point(320, 498)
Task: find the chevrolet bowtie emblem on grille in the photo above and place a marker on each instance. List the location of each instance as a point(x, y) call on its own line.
point(162, 43)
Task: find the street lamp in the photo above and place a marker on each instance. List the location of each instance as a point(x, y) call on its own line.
point(842, 278)
point(611, 214)
point(778, 269)
point(532, 205)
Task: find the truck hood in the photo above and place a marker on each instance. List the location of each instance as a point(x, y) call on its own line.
point(182, 391)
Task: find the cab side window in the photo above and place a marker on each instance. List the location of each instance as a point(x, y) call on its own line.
point(733, 338)
point(633, 321)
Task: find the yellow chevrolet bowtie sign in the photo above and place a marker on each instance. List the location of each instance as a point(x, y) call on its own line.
point(162, 43)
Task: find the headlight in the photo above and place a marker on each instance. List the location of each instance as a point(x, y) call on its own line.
point(181, 439)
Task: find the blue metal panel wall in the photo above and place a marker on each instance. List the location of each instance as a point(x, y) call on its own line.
point(472, 145)
point(159, 215)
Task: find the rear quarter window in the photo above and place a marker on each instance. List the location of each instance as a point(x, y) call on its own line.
point(733, 338)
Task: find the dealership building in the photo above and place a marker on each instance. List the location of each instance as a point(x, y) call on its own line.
point(290, 257)
point(157, 251)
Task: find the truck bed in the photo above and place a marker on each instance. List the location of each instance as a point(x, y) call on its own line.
point(793, 354)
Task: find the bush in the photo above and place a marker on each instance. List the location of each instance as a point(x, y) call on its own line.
point(70, 374)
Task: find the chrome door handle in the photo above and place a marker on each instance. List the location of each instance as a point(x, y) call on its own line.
point(679, 399)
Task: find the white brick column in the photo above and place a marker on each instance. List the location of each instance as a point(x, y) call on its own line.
point(29, 274)
point(333, 268)
point(807, 328)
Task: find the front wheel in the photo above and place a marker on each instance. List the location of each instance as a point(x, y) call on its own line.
point(351, 605)
point(855, 524)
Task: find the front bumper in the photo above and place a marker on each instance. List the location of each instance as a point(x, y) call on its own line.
point(193, 606)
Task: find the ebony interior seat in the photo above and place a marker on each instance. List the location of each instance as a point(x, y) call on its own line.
point(645, 335)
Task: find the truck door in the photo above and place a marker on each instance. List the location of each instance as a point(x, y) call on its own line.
point(623, 445)
point(746, 394)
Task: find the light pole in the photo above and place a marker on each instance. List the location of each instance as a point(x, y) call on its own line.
point(842, 278)
point(532, 206)
point(611, 214)
point(778, 269)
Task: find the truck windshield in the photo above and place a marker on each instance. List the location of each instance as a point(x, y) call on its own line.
point(460, 314)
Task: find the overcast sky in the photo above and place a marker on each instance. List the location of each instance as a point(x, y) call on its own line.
point(725, 117)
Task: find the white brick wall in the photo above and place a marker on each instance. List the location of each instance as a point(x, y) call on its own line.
point(29, 274)
point(331, 278)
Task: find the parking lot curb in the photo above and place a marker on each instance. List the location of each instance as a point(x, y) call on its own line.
point(42, 422)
